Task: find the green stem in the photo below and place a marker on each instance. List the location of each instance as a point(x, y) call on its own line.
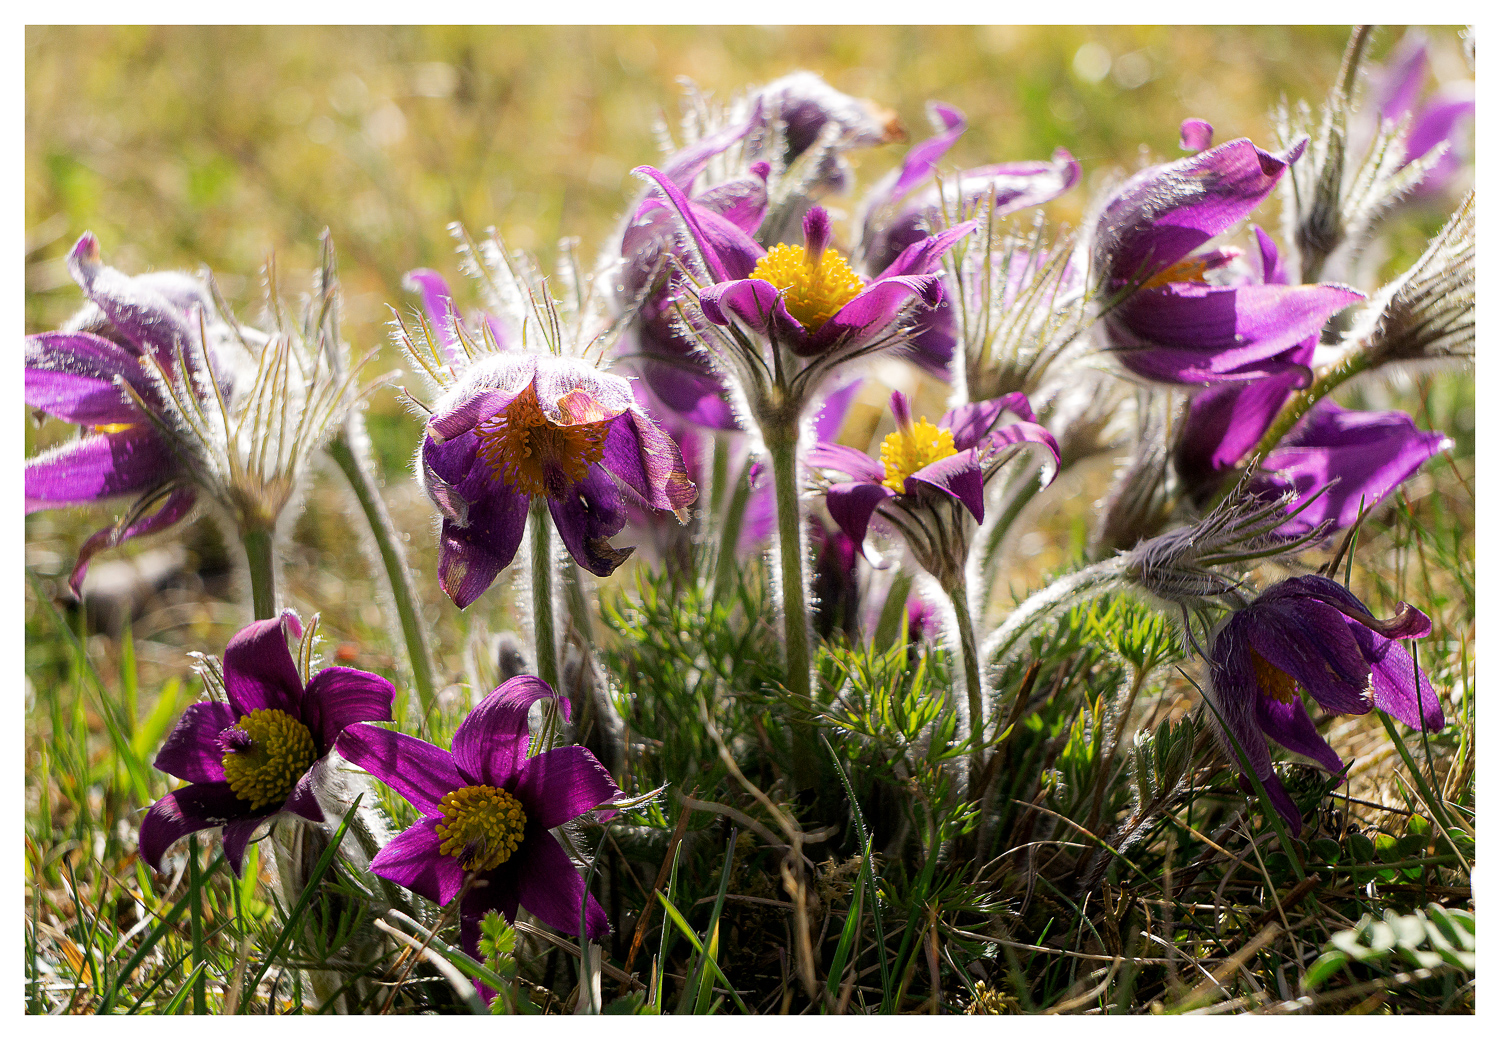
point(356, 470)
point(200, 999)
point(1302, 401)
point(973, 682)
point(889, 625)
point(781, 445)
point(729, 536)
point(1028, 488)
point(543, 623)
point(258, 551)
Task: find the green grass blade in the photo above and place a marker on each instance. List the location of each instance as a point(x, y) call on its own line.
point(194, 980)
point(314, 879)
point(151, 940)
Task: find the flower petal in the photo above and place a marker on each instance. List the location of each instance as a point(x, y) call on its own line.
point(303, 801)
point(196, 807)
point(178, 504)
point(416, 770)
point(1408, 622)
point(1235, 692)
point(1225, 421)
point(490, 745)
point(843, 459)
point(551, 889)
point(758, 304)
point(562, 784)
point(1163, 213)
point(958, 476)
point(586, 517)
point(411, 859)
point(191, 751)
point(141, 314)
point(1370, 454)
point(970, 423)
point(470, 556)
point(258, 668)
point(1195, 135)
point(1210, 332)
point(235, 838)
point(72, 375)
point(338, 697)
point(442, 312)
point(99, 466)
point(1401, 690)
point(925, 256)
point(851, 505)
point(648, 461)
point(1289, 726)
point(1311, 642)
point(726, 250)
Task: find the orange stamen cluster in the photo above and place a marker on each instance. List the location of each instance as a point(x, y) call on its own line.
point(532, 454)
point(1273, 682)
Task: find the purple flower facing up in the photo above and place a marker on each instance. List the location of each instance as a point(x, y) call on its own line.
point(1352, 458)
point(257, 755)
point(486, 812)
point(1311, 633)
point(519, 425)
point(804, 299)
point(104, 371)
point(1179, 325)
point(929, 473)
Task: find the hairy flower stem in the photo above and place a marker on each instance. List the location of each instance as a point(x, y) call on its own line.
point(297, 846)
point(973, 682)
point(259, 554)
point(727, 564)
point(781, 445)
point(356, 469)
point(1301, 402)
point(1094, 580)
point(543, 625)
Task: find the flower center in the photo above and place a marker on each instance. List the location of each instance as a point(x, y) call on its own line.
point(814, 290)
point(267, 752)
point(114, 427)
point(482, 826)
point(1188, 269)
point(532, 454)
point(1272, 681)
point(906, 451)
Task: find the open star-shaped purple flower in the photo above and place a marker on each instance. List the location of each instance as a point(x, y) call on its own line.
point(1179, 325)
point(486, 812)
point(81, 374)
point(922, 463)
point(806, 297)
point(1311, 632)
point(256, 756)
point(518, 425)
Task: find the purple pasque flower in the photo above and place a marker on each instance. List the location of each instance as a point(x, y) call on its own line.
point(452, 332)
point(908, 202)
point(519, 425)
point(1311, 633)
point(926, 472)
point(105, 370)
point(805, 108)
point(667, 355)
point(1181, 321)
point(486, 812)
point(1349, 460)
point(259, 754)
point(806, 297)
point(1396, 93)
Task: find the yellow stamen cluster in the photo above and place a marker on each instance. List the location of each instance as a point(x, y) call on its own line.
point(906, 451)
point(1272, 681)
point(114, 427)
point(522, 446)
point(280, 750)
point(1190, 269)
point(814, 292)
point(482, 826)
